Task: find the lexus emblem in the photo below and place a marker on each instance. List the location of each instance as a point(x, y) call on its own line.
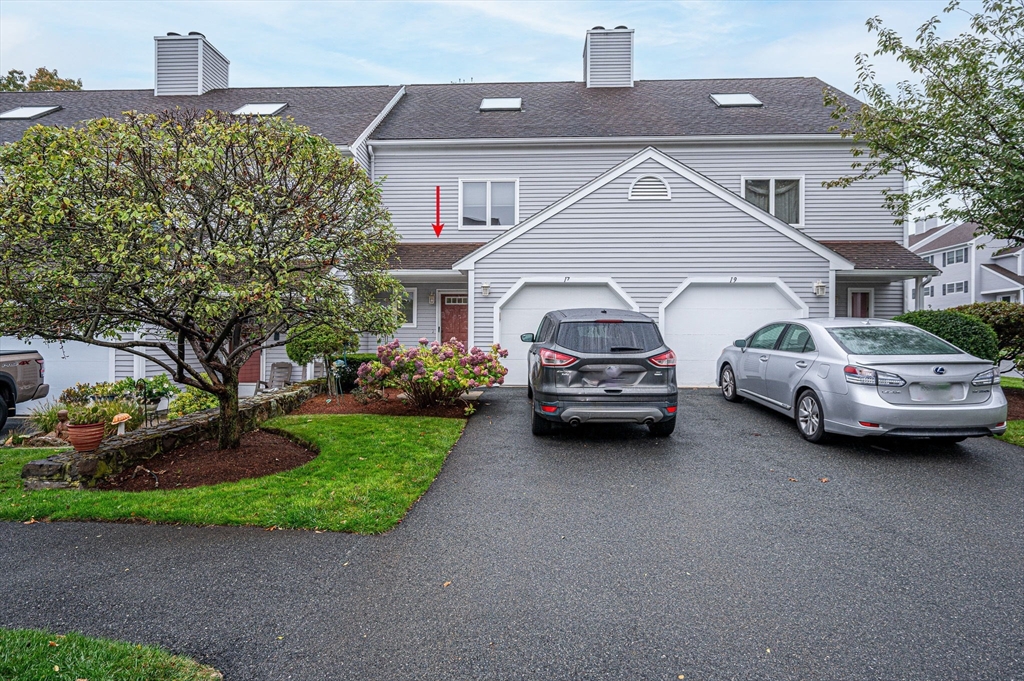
point(939, 370)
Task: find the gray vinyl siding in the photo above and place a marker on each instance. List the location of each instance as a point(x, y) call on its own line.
point(889, 297)
point(426, 315)
point(547, 174)
point(177, 67)
point(215, 69)
point(280, 354)
point(648, 248)
point(362, 156)
point(609, 59)
point(990, 281)
point(124, 365)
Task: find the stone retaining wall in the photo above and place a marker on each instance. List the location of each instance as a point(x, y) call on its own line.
point(115, 454)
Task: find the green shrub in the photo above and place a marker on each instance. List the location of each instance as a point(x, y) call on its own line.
point(191, 401)
point(1007, 320)
point(125, 388)
point(357, 358)
point(968, 333)
point(79, 393)
point(433, 373)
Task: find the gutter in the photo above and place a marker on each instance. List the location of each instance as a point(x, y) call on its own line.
point(609, 141)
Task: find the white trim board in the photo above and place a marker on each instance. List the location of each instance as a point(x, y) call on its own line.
point(612, 141)
point(570, 281)
point(365, 134)
point(835, 260)
point(871, 301)
point(782, 287)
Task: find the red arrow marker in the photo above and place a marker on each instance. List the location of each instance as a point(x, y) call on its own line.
point(438, 225)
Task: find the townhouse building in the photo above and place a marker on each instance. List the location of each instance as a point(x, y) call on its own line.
point(697, 202)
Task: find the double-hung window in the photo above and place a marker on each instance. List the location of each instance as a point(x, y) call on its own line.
point(488, 204)
point(955, 287)
point(406, 305)
point(782, 197)
point(954, 256)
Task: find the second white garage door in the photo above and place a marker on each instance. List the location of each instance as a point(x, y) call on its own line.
point(705, 317)
point(523, 311)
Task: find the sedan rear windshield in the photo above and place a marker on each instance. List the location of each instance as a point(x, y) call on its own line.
point(891, 340)
point(609, 337)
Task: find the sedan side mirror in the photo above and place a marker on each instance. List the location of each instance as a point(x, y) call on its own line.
point(741, 343)
point(526, 338)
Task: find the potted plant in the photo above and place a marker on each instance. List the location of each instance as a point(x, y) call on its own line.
point(85, 427)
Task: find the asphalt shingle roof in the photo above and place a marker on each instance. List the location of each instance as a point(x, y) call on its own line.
point(879, 255)
point(340, 114)
point(959, 235)
point(430, 256)
point(1003, 272)
point(651, 108)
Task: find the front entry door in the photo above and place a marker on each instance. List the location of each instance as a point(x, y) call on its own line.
point(454, 317)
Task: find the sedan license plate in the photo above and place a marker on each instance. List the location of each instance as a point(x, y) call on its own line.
point(937, 392)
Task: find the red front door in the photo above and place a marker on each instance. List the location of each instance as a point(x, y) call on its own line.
point(454, 317)
point(250, 371)
point(860, 304)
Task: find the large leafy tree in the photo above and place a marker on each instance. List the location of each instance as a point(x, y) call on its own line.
point(42, 80)
point(958, 132)
point(190, 239)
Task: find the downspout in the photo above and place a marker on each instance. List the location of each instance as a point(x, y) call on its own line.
point(919, 298)
point(373, 170)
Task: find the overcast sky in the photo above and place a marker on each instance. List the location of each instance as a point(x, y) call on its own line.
point(272, 43)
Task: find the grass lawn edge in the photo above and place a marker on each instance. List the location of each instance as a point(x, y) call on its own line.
point(31, 654)
point(370, 470)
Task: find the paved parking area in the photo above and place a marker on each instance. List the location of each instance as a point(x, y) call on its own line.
point(595, 554)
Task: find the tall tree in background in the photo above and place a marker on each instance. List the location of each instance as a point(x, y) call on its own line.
point(958, 134)
point(202, 235)
point(41, 81)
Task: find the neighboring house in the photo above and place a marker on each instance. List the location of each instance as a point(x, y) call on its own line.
point(697, 202)
point(974, 268)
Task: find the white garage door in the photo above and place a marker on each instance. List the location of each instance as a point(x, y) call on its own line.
point(523, 311)
point(706, 317)
point(75, 363)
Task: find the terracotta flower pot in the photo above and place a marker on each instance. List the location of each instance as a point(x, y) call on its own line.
point(86, 438)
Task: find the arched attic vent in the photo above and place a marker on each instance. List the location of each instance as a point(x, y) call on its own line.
point(649, 188)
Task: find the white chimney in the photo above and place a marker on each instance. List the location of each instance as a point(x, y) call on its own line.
point(608, 57)
point(188, 65)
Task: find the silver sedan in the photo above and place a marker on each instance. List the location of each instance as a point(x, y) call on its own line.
point(865, 377)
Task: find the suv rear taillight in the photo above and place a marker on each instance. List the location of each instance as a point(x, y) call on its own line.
point(42, 367)
point(665, 359)
point(550, 358)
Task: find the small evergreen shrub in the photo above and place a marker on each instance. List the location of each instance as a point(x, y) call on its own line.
point(191, 401)
point(968, 333)
point(433, 373)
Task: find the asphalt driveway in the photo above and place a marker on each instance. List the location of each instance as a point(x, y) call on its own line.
point(595, 554)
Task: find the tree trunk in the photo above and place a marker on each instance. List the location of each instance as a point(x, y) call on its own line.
point(230, 422)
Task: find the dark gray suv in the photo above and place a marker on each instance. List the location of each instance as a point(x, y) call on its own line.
point(601, 366)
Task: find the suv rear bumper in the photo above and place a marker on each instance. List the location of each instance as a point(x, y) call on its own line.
point(586, 411)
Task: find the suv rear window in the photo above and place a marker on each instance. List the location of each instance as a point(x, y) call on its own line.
point(609, 337)
point(891, 340)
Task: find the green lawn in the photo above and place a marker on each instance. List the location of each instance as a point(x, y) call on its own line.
point(30, 655)
point(370, 471)
point(1011, 382)
point(1014, 429)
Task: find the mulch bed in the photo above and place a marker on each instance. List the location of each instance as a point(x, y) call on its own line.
point(202, 463)
point(1015, 403)
point(392, 406)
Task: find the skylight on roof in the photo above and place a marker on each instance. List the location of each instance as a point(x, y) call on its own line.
point(262, 109)
point(736, 99)
point(501, 104)
point(28, 112)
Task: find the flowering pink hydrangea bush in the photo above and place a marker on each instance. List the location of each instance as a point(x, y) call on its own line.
point(433, 373)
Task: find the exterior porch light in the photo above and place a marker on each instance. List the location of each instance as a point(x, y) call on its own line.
point(820, 288)
point(431, 298)
point(485, 288)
